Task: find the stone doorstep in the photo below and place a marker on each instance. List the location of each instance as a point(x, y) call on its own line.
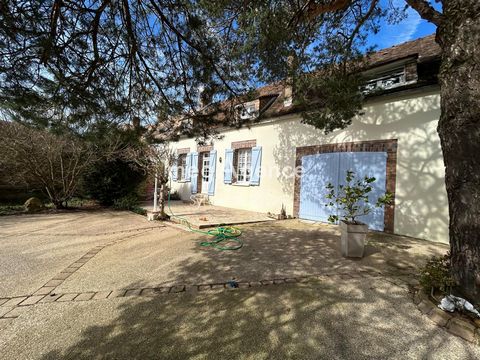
point(3, 301)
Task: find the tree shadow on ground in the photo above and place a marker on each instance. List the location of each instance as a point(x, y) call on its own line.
point(292, 248)
point(329, 319)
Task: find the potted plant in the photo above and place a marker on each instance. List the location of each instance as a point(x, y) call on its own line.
point(353, 202)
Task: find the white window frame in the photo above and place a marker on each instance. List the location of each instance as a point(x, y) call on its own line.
point(243, 168)
point(182, 167)
point(248, 110)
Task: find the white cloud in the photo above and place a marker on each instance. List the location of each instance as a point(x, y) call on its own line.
point(392, 34)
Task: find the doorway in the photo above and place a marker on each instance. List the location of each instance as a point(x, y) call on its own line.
point(205, 172)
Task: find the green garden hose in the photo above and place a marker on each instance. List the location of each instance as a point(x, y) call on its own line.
point(221, 234)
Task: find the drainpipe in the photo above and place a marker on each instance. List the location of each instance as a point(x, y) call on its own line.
point(155, 194)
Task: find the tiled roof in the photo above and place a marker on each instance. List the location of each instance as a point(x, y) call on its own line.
point(423, 49)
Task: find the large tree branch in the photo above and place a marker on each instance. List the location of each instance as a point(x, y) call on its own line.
point(312, 9)
point(426, 11)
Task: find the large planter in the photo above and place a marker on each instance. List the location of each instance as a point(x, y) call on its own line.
point(353, 239)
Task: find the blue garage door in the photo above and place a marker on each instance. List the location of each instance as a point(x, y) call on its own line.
point(321, 169)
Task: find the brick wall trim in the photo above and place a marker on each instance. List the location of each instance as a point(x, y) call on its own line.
point(204, 148)
point(244, 144)
point(388, 146)
point(183, 151)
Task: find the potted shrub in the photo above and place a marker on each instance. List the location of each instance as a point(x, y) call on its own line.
point(353, 202)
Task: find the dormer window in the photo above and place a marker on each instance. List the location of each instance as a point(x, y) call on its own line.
point(385, 80)
point(247, 111)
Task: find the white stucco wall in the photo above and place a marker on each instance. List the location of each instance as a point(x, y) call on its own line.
point(421, 208)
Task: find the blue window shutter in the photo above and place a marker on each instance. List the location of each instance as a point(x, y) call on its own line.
point(227, 172)
point(211, 176)
point(188, 167)
point(256, 165)
point(194, 167)
point(174, 171)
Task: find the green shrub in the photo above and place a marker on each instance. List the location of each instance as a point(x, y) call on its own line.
point(11, 209)
point(140, 211)
point(128, 202)
point(112, 180)
point(436, 274)
point(351, 198)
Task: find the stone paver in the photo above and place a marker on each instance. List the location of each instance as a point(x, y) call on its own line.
point(16, 312)
point(101, 295)
point(5, 309)
point(53, 283)
point(461, 328)
point(84, 296)
point(117, 293)
point(50, 298)
point(67, 297)
point(45, 290)
point(133, 292)
point(177, 289)
point(62, 276)
point(439, 317)
point(14, 301)
point(31, 300)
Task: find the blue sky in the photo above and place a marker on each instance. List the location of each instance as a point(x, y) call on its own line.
point(412, 27)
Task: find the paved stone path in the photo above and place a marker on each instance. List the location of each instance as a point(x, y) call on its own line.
point(10, 307)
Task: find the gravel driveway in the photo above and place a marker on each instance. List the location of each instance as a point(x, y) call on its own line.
point(89, 263)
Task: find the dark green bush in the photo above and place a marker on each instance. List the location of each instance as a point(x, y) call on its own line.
point(111, 180)
point(128, 202)
point(140, 211)
point(436, 274)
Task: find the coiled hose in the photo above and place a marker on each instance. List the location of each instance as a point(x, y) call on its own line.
point(222, 234)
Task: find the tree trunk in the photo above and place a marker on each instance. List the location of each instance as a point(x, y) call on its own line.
point(162, 201)
point(459, 131)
